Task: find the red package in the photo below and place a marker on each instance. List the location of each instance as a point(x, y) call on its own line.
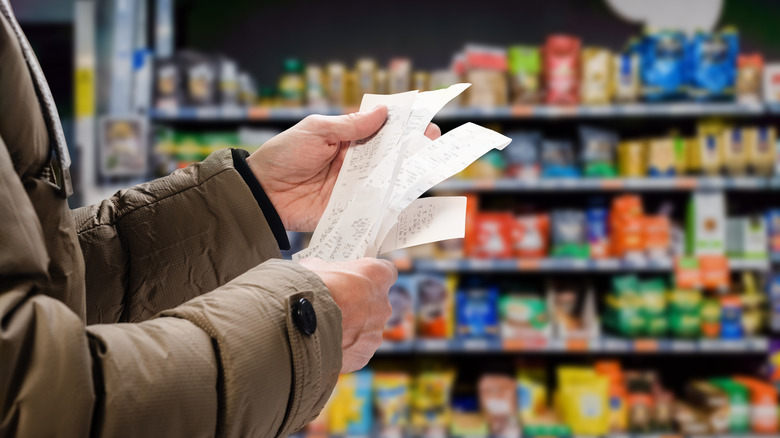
point(562, 70)
point(493, 235)
point(531, 235)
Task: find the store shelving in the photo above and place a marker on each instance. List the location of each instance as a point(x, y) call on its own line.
point(294, 114)
point(608, 184)
point(564, 265)
point(650, 435)
point(606, 344)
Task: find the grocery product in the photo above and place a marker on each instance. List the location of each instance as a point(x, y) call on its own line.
point(531, 393)
point(706, 154)
point(710, 317)
point(763, 405)
point(714, 272)
point(706, 223)
point(626, 226)
point(753, 314)
point(681, 164)
point(477, 311)
point(595, 84)
point(524, 70)
point(435, 318)
point(523, 155)
point(623, 313)
point(569, 234)
point(336, 84)
point(731, 317)
point(598, 232)
point(558, 159)
point(365, 69)
point(493, 235)
point(735, 154)
point(561, 58)
point(653, 299)
point(661, 157)
point(625, 77)
point(771, 88)
point(747, 237)
point(391, 402)
point(684, 315)
point(656, 236)
point(421, 81)
point(168, 87)
point(773, 229)
point(351, 407)
point(227, 82)
point(498, 403)
point(711, 59)
point(761, 150)
point(530, 235)
point(382, 81)
point(631, 159)
point(712, 401)
point(618, 410)
point(582, 400)
point(639, 402)
point(738, 404)
point(749, 73)
point(466, 423)
point(598, 151)
point(400, 326)
point(315, 87)
point(662, 65)
point(523, 316)
point(486, 71)
point(431, 396)
point(399, 75)
point(292, 84)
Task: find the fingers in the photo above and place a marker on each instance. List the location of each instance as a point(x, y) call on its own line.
point(354, 126)
point(432, 131)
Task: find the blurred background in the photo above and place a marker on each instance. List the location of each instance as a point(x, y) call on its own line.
point(617, 277)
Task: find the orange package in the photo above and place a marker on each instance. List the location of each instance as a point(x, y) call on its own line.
point(472, 210)
point(531, 235)
point(714, 271)
point(656, 234)
point(626, 225)
point(763, 405)
point(493, 235)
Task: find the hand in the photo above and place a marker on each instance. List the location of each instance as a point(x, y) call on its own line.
point(298, 168)
point(360, 290)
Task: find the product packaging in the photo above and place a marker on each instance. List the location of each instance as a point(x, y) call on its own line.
point(532, 393)
point(657, 236)
point(738, 404)
point(561, 69)
point(763, 405)
point(498, 404)
point(493, 235)
point(735, 154)
point(315, 87)
point(626, 223)
point(365, 69)
point(336, 84)
point(618, 412)
point(625, 76)
point(435, 295)
point(753, 313)
point(247, 90)
point(598, 151)
point(773, 229)
point(558, 159)
point(391, 403)
point(747, 237)
point(711, 65)
point(712, 401)
point(731, 317)
point(710, 318)
point(749, 74)
point(351, 405)
point(707, 224)
point(761, 150)
point(486, 69)
point(382, 81)
point(477, 312)
point(524, 316)
point(399, 75)
point(292, 85)
point(573, 312)
point(598, 232)
point(531, 235)
point(578, 388)
point(431, 401)
point(400, 326)
point(523, 155)
point(524, 70)
point(596, 84)
point(771, 87)
point(662, 69)
point(631, 159)
point(569, 234)
point(168, 87)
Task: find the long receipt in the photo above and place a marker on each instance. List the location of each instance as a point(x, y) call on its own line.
point(374, 207)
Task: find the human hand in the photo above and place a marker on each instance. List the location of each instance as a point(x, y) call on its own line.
point(360, 290)
point(298, 168)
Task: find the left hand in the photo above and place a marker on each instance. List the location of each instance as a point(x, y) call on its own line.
point(298, 168)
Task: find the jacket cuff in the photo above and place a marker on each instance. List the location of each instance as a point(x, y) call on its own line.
point(271, 215)
point(275, 378)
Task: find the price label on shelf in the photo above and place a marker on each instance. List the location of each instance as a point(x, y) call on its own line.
point(617, 345)
point(259, 113)
point(682, 346)
point(612, 184)
point(528, 264)
point(577, 345)
point(434, 344)
point(645, 345)
point(522, 110)
point(685, 183)
point(513, 345)
point(476, 345)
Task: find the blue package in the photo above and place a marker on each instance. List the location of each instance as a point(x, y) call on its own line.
point(477, 312)
point(522, 154)
point(662, 65)
point(558, 159)
point(596, 220)
point(711, 65)
point(773, 229)
point(361, 419)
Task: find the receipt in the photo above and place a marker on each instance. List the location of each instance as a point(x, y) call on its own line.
point(372, 207)
point(427, 220)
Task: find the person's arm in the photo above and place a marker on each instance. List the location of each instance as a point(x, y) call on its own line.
point(159, 244)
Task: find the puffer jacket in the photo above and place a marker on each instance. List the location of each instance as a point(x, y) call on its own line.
point(162, 311)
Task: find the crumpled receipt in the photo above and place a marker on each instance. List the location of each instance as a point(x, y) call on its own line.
point(374, 207)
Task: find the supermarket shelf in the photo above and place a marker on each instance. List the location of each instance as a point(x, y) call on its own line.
point(602, 345)
point(649, 435)
point(608, 184)
point(513, 112)
point(567, 265)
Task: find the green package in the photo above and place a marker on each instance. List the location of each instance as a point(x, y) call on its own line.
point(653, 294)
point(685, 325)
point(525, 66)
point(739, 404)
point(684, 301)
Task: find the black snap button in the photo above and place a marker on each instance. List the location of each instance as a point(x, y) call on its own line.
point(304, 316)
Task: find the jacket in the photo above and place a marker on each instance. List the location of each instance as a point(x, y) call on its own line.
point(162, 311)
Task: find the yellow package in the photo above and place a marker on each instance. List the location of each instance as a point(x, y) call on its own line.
point(366, 76)
point(336, 87)
point(707, 152)
point(583, 400)
point(431, 402)
point(631, 159)
point(391, 402)
point(760, 145)
point(735, 154)
point(531, 394)
point(595, 88)
point(661, 157)
point(351, 91)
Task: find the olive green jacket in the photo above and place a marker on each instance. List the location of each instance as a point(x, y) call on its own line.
point(162, 311)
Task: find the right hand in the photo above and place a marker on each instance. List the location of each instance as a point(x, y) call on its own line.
point(360, 290)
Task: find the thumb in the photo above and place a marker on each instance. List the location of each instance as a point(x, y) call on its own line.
point(354, 126)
